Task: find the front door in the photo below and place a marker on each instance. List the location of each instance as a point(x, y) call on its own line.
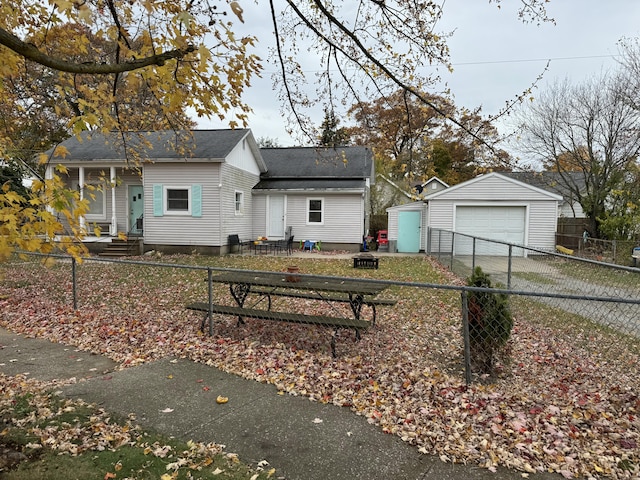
point(276, 216)
point(408, 232)
point(136, 209)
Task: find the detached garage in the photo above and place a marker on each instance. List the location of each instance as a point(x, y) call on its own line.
point(490, 206)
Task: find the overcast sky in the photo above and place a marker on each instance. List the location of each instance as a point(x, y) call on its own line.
point(494, 55)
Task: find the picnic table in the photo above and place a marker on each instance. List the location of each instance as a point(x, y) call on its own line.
point(243, 284)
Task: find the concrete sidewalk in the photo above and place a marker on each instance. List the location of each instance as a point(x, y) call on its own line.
point(302, 440)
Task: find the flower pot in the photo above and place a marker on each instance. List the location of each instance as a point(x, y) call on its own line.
point(292, 278)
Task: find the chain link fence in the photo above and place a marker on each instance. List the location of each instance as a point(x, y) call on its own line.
point(516, 350)
point(601, 301)
point(596, 304)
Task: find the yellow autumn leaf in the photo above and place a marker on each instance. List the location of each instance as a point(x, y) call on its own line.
point(49, 262)
point(60, 151)
point(220, 399)
point(237, 9)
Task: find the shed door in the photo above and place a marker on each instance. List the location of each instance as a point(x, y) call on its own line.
point(506, 224)
point(408, 232)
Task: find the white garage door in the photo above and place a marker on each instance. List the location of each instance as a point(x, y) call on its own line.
point(506, 224)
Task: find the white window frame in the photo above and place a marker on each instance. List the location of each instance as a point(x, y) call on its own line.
point(238, 205)
point(309, 211)
point(87, 193)
point(167, 211)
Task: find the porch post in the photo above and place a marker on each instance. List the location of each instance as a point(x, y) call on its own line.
point(48, 175)
point(113, 228)
point(81, 186)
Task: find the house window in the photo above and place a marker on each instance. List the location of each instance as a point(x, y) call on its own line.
point(239, 203)
point(178, 200)
point(93, 194)
point(314, 212)
point(96, 198)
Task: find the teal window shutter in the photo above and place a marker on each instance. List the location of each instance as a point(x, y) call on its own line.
point(158, 203)
point(196, 200)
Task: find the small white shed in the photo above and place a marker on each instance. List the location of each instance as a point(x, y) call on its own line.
point(490, 206)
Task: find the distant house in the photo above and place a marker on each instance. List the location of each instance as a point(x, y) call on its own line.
point(401, 192)
point(195, 190)
point(431, 186)
point(552, 182)
point(491, 206)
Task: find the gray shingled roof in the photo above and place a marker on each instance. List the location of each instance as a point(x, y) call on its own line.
point(205, 144)
point(309, 183)
point(312, 162)
point(304, 168)
point(550, 181)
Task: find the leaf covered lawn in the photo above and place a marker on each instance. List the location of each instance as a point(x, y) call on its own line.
point(555, 407)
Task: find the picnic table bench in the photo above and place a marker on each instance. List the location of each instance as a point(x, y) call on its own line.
point(241, 284)
point(371, 302)
point(335, 322)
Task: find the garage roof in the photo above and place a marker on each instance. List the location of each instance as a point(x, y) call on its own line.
point(456, 190)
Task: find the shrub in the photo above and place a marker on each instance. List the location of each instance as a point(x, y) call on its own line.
point(490, 322)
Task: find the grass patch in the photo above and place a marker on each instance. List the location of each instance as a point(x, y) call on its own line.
point(535, 278)
point(598, 275)
point(57, 438)
point(581, 331)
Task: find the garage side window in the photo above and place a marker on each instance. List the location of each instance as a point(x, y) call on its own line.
point(315, 213)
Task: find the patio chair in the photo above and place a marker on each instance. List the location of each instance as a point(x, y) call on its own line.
point(282, 245)
point(234, 241)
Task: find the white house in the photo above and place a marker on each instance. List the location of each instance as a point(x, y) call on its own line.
point(190, 191)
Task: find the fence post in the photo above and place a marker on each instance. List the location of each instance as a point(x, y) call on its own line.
point(453, 241)
point(465, 336)
point(509, 267)
point(210, 293)
point(74, 287)
point(473, 255)
point(439, 243)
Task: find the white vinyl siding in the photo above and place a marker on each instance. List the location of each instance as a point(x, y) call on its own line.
point(217, 219)
point(235, 180)
point(543, 224)
point(182, 228)
point(343, 217)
